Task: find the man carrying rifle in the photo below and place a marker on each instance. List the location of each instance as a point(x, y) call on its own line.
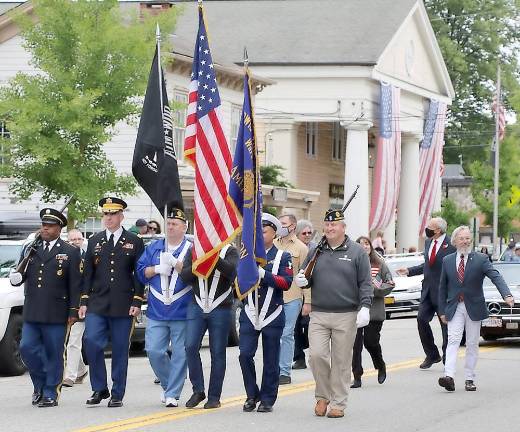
point(341, 298)
point(52, 279)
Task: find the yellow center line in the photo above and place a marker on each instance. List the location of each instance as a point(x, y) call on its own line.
point(170, 415)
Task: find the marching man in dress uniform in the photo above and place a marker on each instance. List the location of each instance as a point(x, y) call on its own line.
point(263, 314)
point(52, 289)
point(111, 298)
point(168, 298)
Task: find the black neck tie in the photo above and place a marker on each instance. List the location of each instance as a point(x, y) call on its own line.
point(111, 240)
point(46, 249)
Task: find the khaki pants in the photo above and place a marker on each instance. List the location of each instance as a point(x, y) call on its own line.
point(331, 339)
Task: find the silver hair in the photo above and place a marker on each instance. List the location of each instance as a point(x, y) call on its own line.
point(441, 223)
point(302, 224)
point(456, 232)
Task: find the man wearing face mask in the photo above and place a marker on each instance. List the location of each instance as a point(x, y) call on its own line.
point(287, 241)
point(436, 247)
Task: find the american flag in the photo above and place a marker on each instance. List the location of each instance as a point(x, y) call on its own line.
point(206, 148)
point(499, 107)
point(431, 161)
point(385, 189)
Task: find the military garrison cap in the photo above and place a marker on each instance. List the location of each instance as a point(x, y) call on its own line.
point(176, 213)
point(52, 216)
point(332, 215)
point(112, 205)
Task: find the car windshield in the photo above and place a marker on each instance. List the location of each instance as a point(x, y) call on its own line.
point(394, 264)
point(510, 273)
point(9, 256)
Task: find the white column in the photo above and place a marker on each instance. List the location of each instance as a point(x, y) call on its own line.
point(408, 204)
point(281, 146)
point(356, 173)
point(389, 236)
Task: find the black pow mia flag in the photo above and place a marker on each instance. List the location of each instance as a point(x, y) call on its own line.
point(154, 165)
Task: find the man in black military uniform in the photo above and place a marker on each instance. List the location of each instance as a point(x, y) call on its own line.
point(52, 289)
point(111, 297)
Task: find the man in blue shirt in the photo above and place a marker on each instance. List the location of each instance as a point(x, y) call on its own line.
point(168, 297)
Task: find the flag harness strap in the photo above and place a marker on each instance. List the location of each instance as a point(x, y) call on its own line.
point(166, 288)
point(251, 308)
point(207, 300)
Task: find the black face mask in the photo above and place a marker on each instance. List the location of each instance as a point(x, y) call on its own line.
point(429, 232)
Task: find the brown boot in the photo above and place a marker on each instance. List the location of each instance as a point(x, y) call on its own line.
point(321, 407)
point(335, 413)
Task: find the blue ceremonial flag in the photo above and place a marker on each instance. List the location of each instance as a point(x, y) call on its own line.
point(245, 192)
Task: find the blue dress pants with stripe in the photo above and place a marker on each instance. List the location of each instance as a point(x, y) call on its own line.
point(98, 328)
point(42, 347)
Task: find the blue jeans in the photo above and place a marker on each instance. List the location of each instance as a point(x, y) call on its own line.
point(170, 371)
point(217, 322)
point(41, 348)
point(97, 330)
point(291, 310)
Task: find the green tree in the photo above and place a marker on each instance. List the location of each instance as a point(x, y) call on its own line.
point(273, 175)
point(93, 63)
point(452, 215)
point(474, 35)
point(509, 179)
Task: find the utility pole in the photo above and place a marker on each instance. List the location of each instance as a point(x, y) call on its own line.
point(496, 252)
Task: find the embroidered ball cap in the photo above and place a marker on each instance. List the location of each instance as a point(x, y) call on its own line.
point(52, 216)
point(141, 223)
point(112, 205)
point(333, 215)
point(176, 213)
point(271, 221)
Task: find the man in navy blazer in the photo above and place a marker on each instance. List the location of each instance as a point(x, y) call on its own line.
point(462, 305)
point(435, 249)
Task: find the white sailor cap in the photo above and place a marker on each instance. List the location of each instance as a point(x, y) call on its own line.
point(272, 221)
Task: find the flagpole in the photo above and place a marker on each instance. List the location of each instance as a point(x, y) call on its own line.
point(496, 252)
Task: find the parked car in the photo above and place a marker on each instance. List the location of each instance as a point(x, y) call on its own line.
point(406, 295)
point(503, 321)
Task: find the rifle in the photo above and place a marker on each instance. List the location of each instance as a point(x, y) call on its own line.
point(31, 249)
point(309, 268)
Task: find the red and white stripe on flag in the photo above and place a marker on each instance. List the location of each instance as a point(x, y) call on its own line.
point(498, 109)
point(206, 148)
point(387, 173)
point(431, 166)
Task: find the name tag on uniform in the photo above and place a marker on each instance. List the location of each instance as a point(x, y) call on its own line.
point(128, 246)
point(62, 257)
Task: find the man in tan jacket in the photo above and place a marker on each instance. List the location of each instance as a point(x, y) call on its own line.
point(294, 296)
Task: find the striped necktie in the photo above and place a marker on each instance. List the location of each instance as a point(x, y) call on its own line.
point(460, 270)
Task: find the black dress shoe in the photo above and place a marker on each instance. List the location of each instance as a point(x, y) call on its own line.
point(98, 396)
point(447, 382)
point(195, 399)
point(212, 404)
point(47, 402)
point(381, 375)
point(36, 397)
point(264, 407)
point(470, 386)
point(299, 364)
point(249, 405)
point(428, 362)
point(356, 383)
point(284, 379)
point(115, 402)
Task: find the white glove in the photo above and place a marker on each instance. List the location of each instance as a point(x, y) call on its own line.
point(15, 277)
point(301, 280)
point(261, 272)
point(168, 259)
point(363, 317)
point(163, 269)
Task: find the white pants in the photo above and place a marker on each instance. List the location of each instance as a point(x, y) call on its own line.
point(75, 366)
point(456, 326)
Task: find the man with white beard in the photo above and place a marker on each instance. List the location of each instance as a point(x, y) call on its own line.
point(462, 305)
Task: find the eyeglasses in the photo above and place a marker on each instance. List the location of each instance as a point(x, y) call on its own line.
point(307, 233)
point(152, 228)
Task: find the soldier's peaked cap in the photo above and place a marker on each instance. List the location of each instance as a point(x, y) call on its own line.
point(112, 205)
point(53, 216)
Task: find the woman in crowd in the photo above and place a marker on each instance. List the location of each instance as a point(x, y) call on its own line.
point(305, 233)
point(370, 335)
point(154, 227)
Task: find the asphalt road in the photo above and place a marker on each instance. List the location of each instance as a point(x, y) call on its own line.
point(410, 399)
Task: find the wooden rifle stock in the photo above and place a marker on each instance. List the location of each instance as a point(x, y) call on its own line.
point(309, 268)
point(31, 249)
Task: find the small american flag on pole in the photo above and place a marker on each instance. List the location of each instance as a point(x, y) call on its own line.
point(388, 160)
point(431, 161)
point(206, 148)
